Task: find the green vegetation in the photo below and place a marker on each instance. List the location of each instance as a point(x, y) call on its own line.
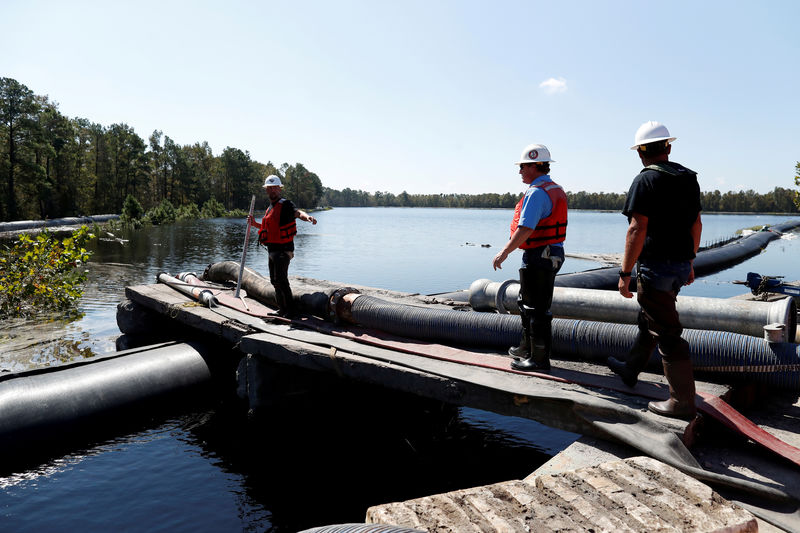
point(797, 182)
point(52, 166)
point(42, 273)
point(132, 210)
point(212, 209)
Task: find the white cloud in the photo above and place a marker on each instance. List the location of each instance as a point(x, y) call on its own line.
point(553, 85)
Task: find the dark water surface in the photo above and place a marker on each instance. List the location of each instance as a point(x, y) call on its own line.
point(329, 451)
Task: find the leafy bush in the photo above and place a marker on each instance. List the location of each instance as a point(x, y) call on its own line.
point(163, 213)
point(42, 274)
point(212, 208)
point(188, 212)
point(132, 213)
point(131, 208)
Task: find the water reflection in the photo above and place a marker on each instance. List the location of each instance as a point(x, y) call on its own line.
point(343, 447)
point(323, 452)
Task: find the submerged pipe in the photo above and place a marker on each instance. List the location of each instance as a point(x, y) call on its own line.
point(21, 225)
point(37, 402)
point(707, 261)
point(737, 316)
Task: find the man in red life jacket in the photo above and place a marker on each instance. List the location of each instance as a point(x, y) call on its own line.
point(539, 229)
point(276, 231)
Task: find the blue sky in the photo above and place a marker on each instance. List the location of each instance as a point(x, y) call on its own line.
point(431, 96)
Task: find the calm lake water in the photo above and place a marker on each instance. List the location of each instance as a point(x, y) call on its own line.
point(333, 451)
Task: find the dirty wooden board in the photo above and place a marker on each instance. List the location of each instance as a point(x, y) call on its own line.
point(174, 305)
point(637, 494)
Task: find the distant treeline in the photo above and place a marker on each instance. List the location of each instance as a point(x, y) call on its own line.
point(53, 166)
point(780, 200)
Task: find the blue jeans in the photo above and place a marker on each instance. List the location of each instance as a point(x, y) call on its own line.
point(664, 275)
point(658, 284)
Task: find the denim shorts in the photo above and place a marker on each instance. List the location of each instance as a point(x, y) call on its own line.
point(664, 275)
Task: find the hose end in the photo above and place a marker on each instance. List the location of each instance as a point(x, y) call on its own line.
point(339, 304)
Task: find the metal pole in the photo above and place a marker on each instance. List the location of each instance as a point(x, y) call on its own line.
point(244, 250)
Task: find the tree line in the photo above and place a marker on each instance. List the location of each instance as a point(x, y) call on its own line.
point(780, 200)
point(54, 166)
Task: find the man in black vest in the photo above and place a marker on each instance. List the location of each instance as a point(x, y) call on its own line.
point(663, 210)
point(276, 231)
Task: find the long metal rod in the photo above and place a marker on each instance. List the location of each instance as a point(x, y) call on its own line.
point(244, 249)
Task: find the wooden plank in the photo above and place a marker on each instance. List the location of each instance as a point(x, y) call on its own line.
point(174, 305)
point(493, 390)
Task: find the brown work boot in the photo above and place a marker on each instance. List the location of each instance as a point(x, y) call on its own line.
point(681, 392)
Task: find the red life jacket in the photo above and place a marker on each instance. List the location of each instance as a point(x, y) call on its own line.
point(551, 229)
point(271, 231)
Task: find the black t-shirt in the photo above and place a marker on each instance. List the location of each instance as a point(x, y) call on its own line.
point(287, 216)
point(670, 199)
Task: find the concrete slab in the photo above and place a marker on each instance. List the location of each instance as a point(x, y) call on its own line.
point(638, 494)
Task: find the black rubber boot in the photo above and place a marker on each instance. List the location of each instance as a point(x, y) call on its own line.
point(636, 360)
point(541, 346)
point(531, 364)
point(280, 300)
point(523, 351)
point(629, 377)
point(524, 348)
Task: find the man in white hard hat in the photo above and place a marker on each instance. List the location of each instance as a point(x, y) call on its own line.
point(276, 231)
point(663, 209)
point(539, 228)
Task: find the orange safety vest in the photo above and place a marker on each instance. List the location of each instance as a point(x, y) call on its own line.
point(551, 229)
point(271, 231)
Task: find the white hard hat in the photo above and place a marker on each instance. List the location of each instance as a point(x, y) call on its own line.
point(535, 153)
point(272, 180)
point(651, 132)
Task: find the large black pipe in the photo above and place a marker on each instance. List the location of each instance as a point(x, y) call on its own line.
point(37, 403)
point(725, 354)
point(310, 298)
point(707, 262)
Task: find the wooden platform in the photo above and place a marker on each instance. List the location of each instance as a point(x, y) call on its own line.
point(503, 392)
point(576, 396)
